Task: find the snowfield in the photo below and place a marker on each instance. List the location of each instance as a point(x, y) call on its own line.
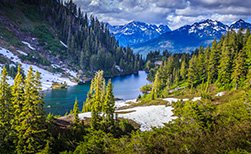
point(146, 116)
point(47, 77)
point(149, 116)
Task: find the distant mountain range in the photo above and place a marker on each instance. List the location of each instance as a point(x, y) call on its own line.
point(184, 39)
point(137, 32)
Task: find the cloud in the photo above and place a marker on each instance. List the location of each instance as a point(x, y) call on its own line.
point(175, 13)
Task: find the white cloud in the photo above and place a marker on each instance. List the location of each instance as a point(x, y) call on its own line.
point(175, 13)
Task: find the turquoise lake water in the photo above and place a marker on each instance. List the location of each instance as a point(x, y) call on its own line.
point(60, 101)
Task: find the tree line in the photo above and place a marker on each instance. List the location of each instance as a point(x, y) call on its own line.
point(225, 63)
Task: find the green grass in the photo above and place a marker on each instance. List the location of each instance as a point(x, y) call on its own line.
point(9, 36)
point(48, 40)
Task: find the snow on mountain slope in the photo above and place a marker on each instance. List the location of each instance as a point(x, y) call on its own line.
point(47, 77)
point(240, 23)
point(189, 37)
point(206, 28)
point(135, 32)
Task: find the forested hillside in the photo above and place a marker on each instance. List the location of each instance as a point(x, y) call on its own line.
point(211, 124)
point(59, 33)
point(225, 63)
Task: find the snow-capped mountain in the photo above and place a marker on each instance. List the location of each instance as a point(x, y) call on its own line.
point(136, 32)
point(189, 37)
point(240, 23)
point(206, 28)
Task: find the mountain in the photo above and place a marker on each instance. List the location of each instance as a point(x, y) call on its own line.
point(189, 37)
point(240, 23)
point(136, 32)
point(60, 41)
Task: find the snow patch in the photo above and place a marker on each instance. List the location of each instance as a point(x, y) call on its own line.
point(118, 68)
point(28, 44)
point(146, 116)
point(23, 53)
point(220, 94)
point(63, 44)
point(196, 98)
point(119, 104)
point(47, 77)
point(170, 100)
point(149, 116)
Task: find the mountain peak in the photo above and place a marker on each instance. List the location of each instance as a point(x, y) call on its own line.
point(240, 23)
point(137, 31)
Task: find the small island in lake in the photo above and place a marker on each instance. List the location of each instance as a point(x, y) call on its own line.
point(56, 85)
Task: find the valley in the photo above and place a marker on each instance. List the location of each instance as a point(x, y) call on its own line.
point(72, 82)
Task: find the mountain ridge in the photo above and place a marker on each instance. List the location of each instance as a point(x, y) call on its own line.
point(136, 32)
point(188, 37)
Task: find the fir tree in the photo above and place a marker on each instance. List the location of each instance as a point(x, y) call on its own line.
point(156, 87)
point(213, 63)
point(31, 131)
point(108, 107)
point(6, 111)
point(18, 103)
point(183, 70)
point(224, 71)
point(76, 112)
point(192, 74)
point(239, 69)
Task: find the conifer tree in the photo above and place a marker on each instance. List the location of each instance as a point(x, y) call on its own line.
point(156, 87)
point(6, 110)
point(108, 107)
point(183, 70)
point(213, 63)
point(31, 131)
point(201, 64)
point(239, 69)
point(192, 73)
point(224, 73)
point(96, 97)
point(76, 112)
point(247, 50)
point(18, 103)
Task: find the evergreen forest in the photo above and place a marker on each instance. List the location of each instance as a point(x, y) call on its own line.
point(212, 124)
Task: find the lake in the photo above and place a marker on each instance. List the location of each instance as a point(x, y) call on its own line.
point(60, 101)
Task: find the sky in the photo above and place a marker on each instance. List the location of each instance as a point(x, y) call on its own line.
point(174, 13)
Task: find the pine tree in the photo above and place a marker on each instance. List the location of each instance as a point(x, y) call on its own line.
point(108, 107)
point(201, 65)
point(96, 94)
point(76, 112)
point(31, 131)
point(6, 110)
point(156, 87)
point(18, 103)
point(247, 50)
point(183, 70)
point(192, 75)
point(213, 63)
point(224, 71)
point(239, 69)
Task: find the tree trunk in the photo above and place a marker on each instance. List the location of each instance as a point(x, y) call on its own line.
point(236, 86)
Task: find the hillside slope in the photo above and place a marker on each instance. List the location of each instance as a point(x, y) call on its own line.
point(56, 37)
